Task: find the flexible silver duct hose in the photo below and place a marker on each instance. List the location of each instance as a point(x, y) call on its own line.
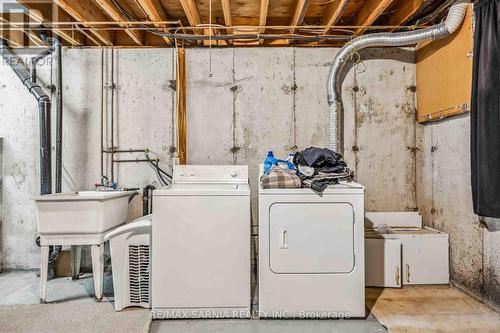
point(455, 17)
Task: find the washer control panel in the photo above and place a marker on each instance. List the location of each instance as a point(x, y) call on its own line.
point(210, 174)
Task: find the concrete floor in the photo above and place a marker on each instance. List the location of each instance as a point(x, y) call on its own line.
point(21, 287)
point(269, 326)
point(409, 309)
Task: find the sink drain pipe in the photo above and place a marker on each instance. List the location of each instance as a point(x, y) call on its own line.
point(455, 17)
point(44, 114)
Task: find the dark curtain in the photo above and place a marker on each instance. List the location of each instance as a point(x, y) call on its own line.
point(485, 110)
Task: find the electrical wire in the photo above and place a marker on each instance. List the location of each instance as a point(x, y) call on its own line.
point(162, 181)
point(133, 18)
point(159, 171)
point(211, 37)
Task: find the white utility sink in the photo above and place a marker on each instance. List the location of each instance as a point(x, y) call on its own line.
point(84, 212)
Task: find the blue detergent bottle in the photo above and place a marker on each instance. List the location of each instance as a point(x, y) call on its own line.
point(269, 162)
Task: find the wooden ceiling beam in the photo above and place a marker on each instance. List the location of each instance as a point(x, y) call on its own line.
point(109, 8)
point(369, 13)
point(299, 13)
point(32, 35)
point(40, 12)
point(14, 38)
point(192, 13)
point(228, 19)
point(264, 7)
point(154, 12)
point(406, 10)
point(87, 11)
point(333, 13)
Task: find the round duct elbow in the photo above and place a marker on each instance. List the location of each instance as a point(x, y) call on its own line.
point(456, 15)
point(453, 20)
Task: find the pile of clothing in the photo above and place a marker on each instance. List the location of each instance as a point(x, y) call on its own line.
point(319, 168)
point(315, 168)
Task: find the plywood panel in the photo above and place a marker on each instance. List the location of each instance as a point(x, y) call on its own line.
point(444, 74)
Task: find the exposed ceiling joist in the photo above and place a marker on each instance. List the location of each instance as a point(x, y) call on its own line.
point(13, 37)
point(109, 8)
point(41, 13)
point(152, 9)
point(406, 11)
point(104, 22)
point(333, 13)
point(369, 13)
point(264, 7)
point(228, 19)
point(87, 11)
point(32, 35)
point(299, 13)
point(192, 13)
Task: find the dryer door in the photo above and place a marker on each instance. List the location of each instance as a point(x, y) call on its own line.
point(311, 238)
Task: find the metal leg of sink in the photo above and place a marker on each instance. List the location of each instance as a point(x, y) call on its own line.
point(76, 257)
point(44, 265)
point(98, 269)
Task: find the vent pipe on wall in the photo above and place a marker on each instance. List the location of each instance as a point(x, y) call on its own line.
point(44, 115)
point(57, 53)
point(455, 17)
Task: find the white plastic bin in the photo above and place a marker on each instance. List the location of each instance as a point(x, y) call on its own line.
point(85, 212)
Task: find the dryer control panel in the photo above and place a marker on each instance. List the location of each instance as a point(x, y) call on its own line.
point(210, 174)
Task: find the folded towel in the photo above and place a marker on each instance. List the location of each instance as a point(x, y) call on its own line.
point(280, 178)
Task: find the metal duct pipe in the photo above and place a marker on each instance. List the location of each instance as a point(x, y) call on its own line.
point(44, 115)
point(455, 17)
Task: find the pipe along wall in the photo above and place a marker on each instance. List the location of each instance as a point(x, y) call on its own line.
point(44, 106)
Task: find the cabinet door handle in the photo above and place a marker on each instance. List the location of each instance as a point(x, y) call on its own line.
point(398, 277)
point(407, 273)
point(284, 239)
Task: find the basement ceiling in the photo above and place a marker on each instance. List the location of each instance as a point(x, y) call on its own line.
point(148, 23)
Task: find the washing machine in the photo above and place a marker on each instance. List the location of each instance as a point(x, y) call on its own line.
point(201, 244)
point(311, 252)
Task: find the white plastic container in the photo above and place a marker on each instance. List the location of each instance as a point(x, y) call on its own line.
point(85, 212)
point(130, 247)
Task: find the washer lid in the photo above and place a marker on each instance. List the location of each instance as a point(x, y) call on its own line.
point(311, 238)
point(210, 174)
